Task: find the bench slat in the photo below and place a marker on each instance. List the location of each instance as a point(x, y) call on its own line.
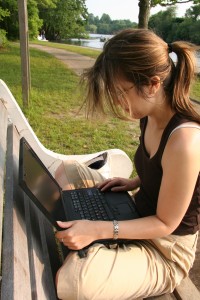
point(15, 262)
point(187, 291)
point(42, 276)
point(3, 133)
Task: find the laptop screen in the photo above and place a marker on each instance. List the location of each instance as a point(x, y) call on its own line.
point(35, 179)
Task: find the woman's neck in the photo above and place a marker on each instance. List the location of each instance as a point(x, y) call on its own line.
point(161, 113)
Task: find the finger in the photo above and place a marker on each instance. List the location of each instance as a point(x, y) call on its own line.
point(111, 184)
point(106, 187)
point(102, 184)
point(64, 224)
point(61, 234)
point(118, 189)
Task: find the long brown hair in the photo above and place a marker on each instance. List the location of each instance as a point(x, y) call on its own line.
point(138, 55)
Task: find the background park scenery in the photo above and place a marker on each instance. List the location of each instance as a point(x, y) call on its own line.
point(63, 19)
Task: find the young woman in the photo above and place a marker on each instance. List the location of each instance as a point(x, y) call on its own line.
point(137, 79)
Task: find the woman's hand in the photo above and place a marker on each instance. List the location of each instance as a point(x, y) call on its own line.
point(118, 184)
point(81, 233)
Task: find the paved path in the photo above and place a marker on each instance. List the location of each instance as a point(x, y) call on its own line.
point(78, 63)
point(74, 61)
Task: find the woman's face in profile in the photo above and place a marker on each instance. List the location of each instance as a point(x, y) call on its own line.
point(134, 104)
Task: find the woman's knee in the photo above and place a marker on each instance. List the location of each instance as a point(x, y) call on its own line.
point(62, 174)
point(74, 175)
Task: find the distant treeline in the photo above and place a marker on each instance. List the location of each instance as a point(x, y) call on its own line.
point(105, 25)
point(165, 23)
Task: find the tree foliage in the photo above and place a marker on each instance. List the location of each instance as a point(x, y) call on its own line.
point(61, 18)
point(105, 25)
point(3, 13)
point(34, 22)
point(193, 12)
point(153, 3)
point(171, 28)
point(10, 22)
point(3, 40)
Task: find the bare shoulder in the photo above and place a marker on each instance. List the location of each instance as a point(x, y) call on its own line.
point(185, 134)
point(184, 141)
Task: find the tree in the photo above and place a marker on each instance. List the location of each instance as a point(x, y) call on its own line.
point(189, 29)
point(34, 22)
point(146, 5)
point(105, 19)
point(66, 20)
point(193, 12)
point(144, 13)
point(3, 13)
point(10, 21)
point(118, 25)
point(166, 24)
point(104, 24)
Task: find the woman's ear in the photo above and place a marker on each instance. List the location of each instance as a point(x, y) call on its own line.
point(155, 85)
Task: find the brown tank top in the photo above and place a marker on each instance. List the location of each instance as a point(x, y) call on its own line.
point(150, 172)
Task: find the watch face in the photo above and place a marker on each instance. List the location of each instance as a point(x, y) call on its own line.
point(115, 229)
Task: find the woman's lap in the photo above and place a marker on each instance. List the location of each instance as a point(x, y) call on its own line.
point(140, 269)
point(133, 271)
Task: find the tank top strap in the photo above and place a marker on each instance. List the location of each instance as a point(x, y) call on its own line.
point(184, 126)
point(176, 121)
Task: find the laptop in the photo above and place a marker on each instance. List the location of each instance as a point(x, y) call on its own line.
point(65, 205)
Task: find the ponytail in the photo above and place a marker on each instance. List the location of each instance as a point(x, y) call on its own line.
point(181, 78)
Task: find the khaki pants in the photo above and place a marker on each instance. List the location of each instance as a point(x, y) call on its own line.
point(141, 269)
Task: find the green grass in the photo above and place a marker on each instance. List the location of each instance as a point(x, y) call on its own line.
point(55, 100)
point(195, 93)
point(81, 50)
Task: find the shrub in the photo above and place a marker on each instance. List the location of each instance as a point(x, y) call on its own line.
point(3, 39)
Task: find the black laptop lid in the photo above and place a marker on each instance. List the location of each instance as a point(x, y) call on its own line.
point(39, 184)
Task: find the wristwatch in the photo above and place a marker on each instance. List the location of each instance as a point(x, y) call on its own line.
point(115, 229)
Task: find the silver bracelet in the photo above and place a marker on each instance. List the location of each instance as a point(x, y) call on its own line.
point(115, 229)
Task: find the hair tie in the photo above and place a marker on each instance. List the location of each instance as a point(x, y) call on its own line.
point(170, 48)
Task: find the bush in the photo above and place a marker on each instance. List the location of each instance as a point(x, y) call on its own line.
point(3, 38)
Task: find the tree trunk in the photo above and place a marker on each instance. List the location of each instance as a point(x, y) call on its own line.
point(144, 13)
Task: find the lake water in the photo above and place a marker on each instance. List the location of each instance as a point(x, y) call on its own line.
point(95, 42)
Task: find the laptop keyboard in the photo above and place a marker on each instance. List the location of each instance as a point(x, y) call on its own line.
point(90, 204)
